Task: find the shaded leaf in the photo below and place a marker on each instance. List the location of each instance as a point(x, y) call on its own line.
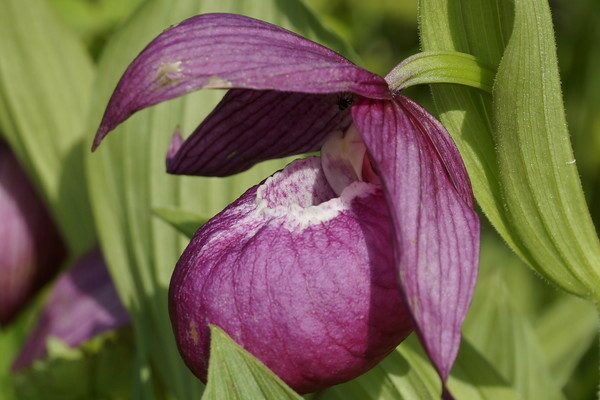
point(44, 94)
point(87, 372)
point(185, 222)
point(564, 348)
point(500, 331)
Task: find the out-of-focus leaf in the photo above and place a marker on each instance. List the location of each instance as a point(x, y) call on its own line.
point(500, 331)
point(234, 374)
point(523, 175)
point(407, 374)
point(127, 182)
point(566, 330)
point(441, 67)
point(185, 222)
point(45, 84)
point(87, 372)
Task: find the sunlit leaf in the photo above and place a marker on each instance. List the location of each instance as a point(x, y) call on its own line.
point(128, 181)
point(541, 187)
point(517, 149)
point(45, 85)
point(234, 374)
point(408, 374)
point(442, 67)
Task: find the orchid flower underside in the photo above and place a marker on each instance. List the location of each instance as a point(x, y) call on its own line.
point(323, 268)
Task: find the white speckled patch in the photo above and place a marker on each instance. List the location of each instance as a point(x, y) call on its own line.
point(301, 194)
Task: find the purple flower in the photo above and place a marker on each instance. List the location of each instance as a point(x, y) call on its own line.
point(82, 304)
point(31, 249)
point(323, 268)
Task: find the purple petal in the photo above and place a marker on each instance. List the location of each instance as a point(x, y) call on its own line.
point(31, 249)
point(232, 51)
point(82, 304)
point(302, 279)
point(251, 126)
point(436, 230)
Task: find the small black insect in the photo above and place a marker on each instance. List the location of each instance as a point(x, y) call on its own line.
point(345, 100)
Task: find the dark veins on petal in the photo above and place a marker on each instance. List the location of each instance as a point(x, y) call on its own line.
point(251, 126)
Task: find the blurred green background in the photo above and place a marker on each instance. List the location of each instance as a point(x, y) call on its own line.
point(384, 32)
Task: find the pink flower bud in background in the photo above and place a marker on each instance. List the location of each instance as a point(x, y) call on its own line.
point(31, 249)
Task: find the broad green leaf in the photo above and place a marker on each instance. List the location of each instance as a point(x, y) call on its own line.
point(127, 182)
point(566, 329)
point(185, 222)
point(86, 372)
point(442, 67)
point(234, 374)
point(45, 85)
point(503, 334)
point(542, 191)
point(523, 173)
point(407, 374)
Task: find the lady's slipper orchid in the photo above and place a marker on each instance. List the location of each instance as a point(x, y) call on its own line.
point(326, 266)
point(31, 249)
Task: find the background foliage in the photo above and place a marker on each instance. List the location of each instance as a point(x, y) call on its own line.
point(523, 337)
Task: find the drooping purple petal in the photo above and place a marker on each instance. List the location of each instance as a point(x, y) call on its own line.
point(251, 126)
point(435, 227)
point(31, 249)
point(82, 304)
point(301, 278)
point(232, 51)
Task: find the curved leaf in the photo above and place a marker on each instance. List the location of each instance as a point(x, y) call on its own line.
point(441, 67)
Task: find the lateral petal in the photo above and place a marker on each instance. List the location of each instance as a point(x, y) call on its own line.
point(224, 51)
point(436, 230)
point(250, 126)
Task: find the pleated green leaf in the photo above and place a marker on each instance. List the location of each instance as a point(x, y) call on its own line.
point(234, 374)
point(407, 374)
point(516, 146)
point(128, 181)
point(45, 86)
point(542, 191)
point(566, 330)
point(502, 332)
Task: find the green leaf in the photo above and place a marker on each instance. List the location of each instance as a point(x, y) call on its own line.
point(407, 374)
point(503, 334)
point(235, 374)
point(45, 86)
point(127, 182)
point(517, 148)
point(442, 67)
point(185, 222)
point(564, 348)
point(544, 201)
point(86, 372)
